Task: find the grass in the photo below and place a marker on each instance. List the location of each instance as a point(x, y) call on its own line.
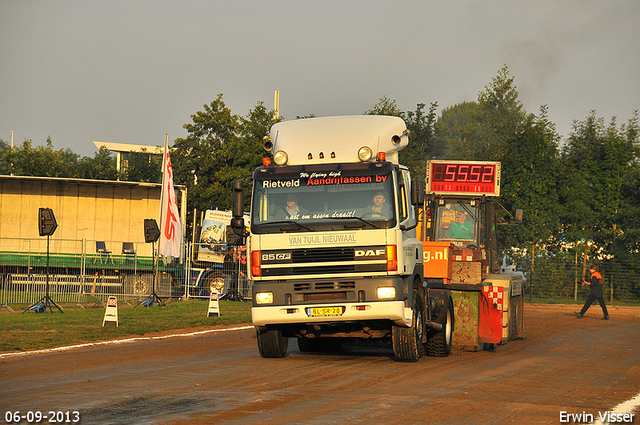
point(29, 330)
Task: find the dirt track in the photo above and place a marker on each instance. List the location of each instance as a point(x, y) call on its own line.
point(563, 365)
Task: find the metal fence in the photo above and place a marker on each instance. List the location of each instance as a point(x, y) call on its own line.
point(217, 267)
point(558, 278)
point(85, 272)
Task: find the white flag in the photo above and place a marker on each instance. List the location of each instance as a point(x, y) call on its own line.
point(170, 227)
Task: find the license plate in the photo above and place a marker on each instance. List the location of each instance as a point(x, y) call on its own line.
point(324, 311)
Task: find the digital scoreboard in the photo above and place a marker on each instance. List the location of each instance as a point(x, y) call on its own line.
point(463, 177)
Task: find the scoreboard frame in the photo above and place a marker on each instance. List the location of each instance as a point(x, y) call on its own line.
point(475, 178)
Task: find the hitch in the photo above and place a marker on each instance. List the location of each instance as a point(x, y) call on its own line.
point(435, 326)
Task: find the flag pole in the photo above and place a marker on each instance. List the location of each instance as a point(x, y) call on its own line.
point(156, 253)
point(170, 225)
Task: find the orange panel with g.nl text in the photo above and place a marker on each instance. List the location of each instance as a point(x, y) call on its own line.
point(437, 260)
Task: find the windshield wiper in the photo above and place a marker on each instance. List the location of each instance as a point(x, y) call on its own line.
point(302, 226)
point(357, 218)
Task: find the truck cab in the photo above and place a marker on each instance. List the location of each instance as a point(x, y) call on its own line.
point(332, 249)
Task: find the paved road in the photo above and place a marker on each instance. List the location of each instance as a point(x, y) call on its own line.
point(563, 365)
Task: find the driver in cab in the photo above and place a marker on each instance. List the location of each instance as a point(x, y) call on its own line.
point(461, 228)
point(379, 207)
point(290, 211)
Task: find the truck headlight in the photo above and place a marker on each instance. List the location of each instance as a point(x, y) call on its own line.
point(386, 292)
point(280, 158)
point(264, 298)
point(365, 153)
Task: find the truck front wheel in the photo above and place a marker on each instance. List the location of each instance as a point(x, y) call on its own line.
point(407, 342)
point(272, 344)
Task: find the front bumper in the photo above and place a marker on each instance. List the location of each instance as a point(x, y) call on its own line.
point(395, 311)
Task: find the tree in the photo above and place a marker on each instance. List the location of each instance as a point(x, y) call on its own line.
point(421, 128)
point(530, 181)
point(482, 130)
point(500, 114)
point(143, 167)
point(496, 128)
point(248, 155)
point(629, 236)
point(421, 132)
point(42, 161)
point(197, 158)
point(5, 167)
point(101, 167)
point(66, 162)
point(220, 147)
point(453, 129)
point(385, 106)
point(600, 168)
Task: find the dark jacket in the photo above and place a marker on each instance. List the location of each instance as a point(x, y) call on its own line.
point(283, 213)
point(595, 282)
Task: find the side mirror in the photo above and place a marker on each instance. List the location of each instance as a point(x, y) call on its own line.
point(237, 223)
point(233, 238)
point(236, 231)
point(417, 192)
point(238, 199)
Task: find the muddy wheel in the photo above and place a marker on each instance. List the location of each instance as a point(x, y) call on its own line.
point(439, 342)
point(272, 344)
point(407, 342)
point(515, 318)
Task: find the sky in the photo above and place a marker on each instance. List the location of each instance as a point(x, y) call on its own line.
point(132, 71)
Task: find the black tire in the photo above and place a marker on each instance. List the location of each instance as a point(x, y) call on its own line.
point(272, 344)
point(515, 324)
point(407, 342)
point(439, 342)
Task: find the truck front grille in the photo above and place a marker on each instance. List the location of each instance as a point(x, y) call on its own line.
point(322, 286)
point(327, 260)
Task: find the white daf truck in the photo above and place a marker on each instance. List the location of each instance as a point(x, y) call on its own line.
point(332, 247)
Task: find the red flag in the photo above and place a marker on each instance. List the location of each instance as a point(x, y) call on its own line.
point(170, 227)
point(490, 314)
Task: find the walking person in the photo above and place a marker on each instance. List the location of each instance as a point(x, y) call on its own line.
point(595, 293)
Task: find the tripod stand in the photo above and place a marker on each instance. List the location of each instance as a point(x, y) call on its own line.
point(154, 296)
point(233, 294)
point(46, 300)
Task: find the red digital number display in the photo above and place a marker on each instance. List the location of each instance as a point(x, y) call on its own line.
point(464, 177)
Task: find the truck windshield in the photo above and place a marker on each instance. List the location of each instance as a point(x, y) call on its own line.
point(456, 221)
point(323, 197)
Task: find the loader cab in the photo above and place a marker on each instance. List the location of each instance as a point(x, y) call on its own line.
point(457, 222)
point(461, 208)
point(468, 223)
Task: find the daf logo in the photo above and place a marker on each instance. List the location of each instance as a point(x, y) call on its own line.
point(282, 256)
point(369, 252)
